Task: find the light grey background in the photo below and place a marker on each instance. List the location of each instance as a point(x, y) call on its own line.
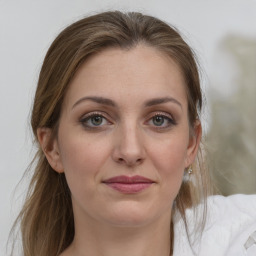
point(27, 27)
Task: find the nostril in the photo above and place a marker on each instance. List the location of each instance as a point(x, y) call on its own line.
point(129, 162)
point(120, 160)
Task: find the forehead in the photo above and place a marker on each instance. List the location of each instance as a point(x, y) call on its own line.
point(141, 71)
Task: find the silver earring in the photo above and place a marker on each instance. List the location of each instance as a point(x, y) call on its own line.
point(187, 174)
point(190, 169)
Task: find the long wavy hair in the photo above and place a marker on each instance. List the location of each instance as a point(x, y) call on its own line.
point(46, 221)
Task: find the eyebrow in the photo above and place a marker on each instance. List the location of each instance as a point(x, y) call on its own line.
point(158, 101)
point(109, 102)
point(100, 100)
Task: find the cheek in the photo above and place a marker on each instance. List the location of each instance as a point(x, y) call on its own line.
point(82, 159)
point(169, 158)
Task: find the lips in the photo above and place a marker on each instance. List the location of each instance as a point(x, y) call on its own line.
point(127, 179)
point(128, 185)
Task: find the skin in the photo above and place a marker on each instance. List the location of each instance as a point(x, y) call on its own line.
point(129, 137)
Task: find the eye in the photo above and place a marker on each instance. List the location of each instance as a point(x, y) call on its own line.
point(161, 121)
point(158, 120)
point(94, 120)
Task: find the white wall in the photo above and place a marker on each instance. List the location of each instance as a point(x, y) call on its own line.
point(27, 28)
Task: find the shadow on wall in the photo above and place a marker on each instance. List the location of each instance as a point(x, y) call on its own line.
point(232, 136)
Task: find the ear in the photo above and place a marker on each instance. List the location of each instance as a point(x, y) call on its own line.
point(194, 142)
point(50, 148)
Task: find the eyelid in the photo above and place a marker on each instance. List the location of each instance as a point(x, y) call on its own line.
point(160, 113)
point(168, 116)
point(93, 113)
point(87, 116)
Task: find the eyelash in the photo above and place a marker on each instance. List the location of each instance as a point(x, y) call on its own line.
point(166, 117)
point(88, 118)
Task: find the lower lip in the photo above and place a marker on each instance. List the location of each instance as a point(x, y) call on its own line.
point(129, 188)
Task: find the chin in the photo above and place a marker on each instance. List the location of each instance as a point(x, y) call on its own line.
point(130, 216)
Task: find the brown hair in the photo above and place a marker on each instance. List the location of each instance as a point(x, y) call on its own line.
point(46, 219)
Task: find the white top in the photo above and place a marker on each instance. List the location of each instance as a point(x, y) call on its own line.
point(230, 229)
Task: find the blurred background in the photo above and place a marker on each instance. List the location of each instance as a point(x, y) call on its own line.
point(231, 139)
point(223, 35)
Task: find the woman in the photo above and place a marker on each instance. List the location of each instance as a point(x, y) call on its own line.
point(117, 117)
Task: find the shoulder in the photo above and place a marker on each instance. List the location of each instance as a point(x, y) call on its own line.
point(240, 202)
point(235, 210)
point(230, 224)
point(230, 228)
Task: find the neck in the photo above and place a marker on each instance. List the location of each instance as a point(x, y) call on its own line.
point(98, 239)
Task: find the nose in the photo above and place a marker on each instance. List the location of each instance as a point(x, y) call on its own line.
point(129, 149)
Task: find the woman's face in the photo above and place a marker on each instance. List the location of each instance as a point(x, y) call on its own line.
point(124, 139)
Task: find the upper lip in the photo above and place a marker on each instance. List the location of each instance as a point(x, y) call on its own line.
point(128, 180)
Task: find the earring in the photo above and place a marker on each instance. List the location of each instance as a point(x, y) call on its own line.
point(190, 169)
point(187, 174)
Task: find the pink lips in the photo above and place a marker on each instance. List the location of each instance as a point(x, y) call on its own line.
point(129, 185)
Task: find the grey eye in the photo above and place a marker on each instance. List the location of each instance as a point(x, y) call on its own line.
point(161, 121)
point(158, 120)
point(96, 120)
